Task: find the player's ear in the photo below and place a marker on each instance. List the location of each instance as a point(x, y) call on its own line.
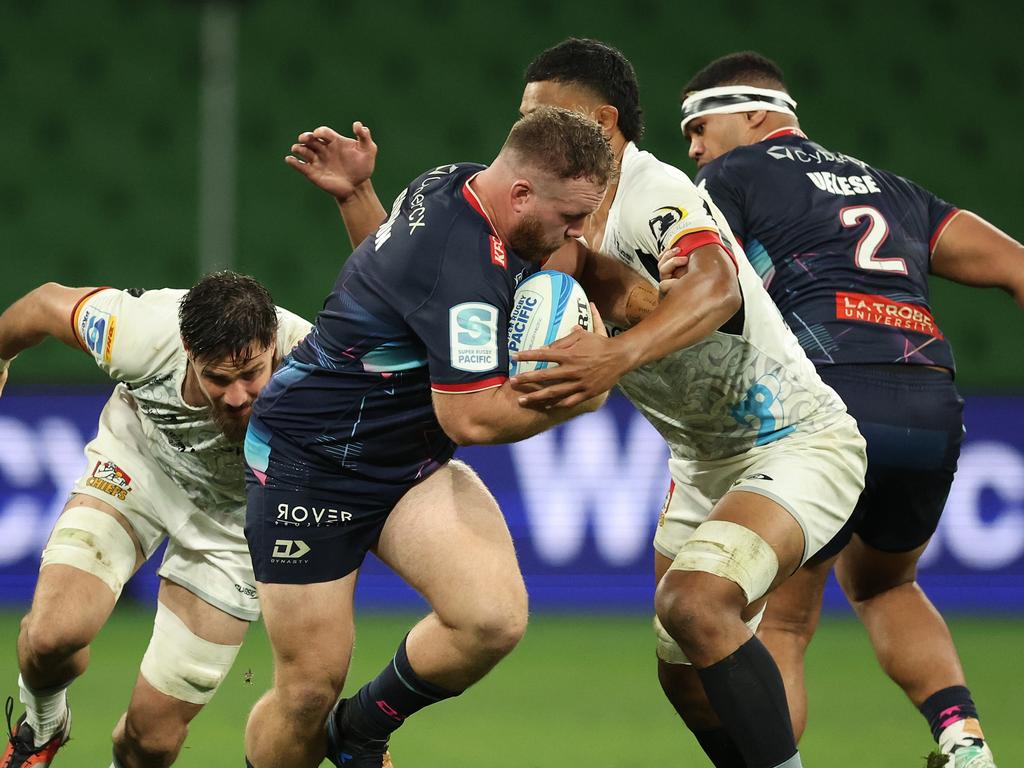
point(607, 117)
point(520, 193)
point(756, 118)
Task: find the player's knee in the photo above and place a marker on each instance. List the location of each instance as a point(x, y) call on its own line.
point(182, 665)
point(685, 611)
point(147, 741)
point(305, 703)
point(48, 641)
point(496, 631)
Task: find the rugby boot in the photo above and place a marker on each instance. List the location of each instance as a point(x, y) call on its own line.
point(348, 750)
point(22, 752)
point(971, 755)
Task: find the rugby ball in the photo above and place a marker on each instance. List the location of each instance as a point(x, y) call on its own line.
point(546, 306)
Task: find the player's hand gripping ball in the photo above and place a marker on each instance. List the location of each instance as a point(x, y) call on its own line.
point(546, 306)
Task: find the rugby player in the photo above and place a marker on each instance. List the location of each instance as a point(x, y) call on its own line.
point(166, 463)
point(408, 358)
point(766, 464)
point(845, 249)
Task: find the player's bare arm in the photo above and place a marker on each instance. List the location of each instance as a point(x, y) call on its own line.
point(621, 294)
point(496, 416)
point(698, 304)
point(342, 167)
point(44, 311)
point(973, 252)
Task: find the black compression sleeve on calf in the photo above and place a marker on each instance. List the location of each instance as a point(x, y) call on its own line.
point(384, 703)
point(945, 707)
point(746, 691)
point(720, 748)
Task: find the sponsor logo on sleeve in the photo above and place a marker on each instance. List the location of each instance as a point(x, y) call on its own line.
point(662, 222)
point(473, 335)
point(96, 329)
point(111, 479)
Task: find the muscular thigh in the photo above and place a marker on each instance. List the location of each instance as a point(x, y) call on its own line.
point(447, 538)
point(310, 627)
point(74, 596)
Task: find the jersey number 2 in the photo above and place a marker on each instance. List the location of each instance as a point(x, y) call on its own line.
point(871, 240)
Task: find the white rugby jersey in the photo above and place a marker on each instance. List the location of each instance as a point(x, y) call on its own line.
point(136, 340)
point(729, 392)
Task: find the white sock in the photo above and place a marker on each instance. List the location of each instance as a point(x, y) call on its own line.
point(46, 711)
point(960, 733)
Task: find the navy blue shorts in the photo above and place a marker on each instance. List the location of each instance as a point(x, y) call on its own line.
point(912, 419)
point(306, 536)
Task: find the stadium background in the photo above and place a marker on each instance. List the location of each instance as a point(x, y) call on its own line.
point(128, 162)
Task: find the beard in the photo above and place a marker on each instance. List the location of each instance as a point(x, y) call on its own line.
point(232, 424)
point(527, 240)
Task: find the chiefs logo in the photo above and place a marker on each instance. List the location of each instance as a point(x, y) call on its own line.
point(665, 218)
point(111, 479)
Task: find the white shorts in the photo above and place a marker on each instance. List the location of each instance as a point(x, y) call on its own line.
point(816, 477)
point(206, 557)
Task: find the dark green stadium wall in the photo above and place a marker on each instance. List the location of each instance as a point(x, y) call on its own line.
point(100, 103)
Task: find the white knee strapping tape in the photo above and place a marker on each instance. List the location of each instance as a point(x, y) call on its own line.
point(94, 542)
point(733, 552)
point(669, 650)
point(182, 664)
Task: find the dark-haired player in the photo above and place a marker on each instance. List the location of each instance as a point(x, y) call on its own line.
point(166, 463)
point(766, 463)
point(845, 250)
point(408, 358)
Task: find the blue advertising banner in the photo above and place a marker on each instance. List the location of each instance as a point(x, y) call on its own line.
point(581, 502)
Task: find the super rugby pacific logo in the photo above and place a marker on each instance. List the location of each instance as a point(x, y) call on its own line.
point(519, 320)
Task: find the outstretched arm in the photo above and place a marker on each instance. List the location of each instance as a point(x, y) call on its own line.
point(342, 167)
point(973, 252)
point(45, 311)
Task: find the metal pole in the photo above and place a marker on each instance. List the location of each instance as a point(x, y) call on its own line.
point(218, 139)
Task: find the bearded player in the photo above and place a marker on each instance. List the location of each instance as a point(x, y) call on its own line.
point(166, 463)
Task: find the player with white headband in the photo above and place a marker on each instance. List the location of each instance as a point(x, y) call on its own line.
point(845, 249)
point(732, 99)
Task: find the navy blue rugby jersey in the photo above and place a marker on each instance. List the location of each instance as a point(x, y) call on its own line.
point(843, 248)
point(421, 304)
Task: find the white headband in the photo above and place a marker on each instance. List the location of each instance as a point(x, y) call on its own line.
point(729, 99)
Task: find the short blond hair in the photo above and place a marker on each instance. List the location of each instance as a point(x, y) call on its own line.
point(564, 143)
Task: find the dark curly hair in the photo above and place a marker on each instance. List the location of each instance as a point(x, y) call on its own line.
point(599, 68)
point(225, 315)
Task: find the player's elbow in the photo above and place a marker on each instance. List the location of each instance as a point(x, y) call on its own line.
point(723, 294)
point(465, 429)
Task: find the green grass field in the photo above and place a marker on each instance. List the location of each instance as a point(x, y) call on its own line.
point(579, 691)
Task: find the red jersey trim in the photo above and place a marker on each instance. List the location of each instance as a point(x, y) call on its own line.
point(473, 386)
point(940, 229)
point(691, 241)
point(787, 131)
point(474, 201)
point(74, 315)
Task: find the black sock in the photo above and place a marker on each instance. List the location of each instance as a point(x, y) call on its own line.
point(945, 707)
point(384, 703)
point(746, 690)
point(719, 746)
